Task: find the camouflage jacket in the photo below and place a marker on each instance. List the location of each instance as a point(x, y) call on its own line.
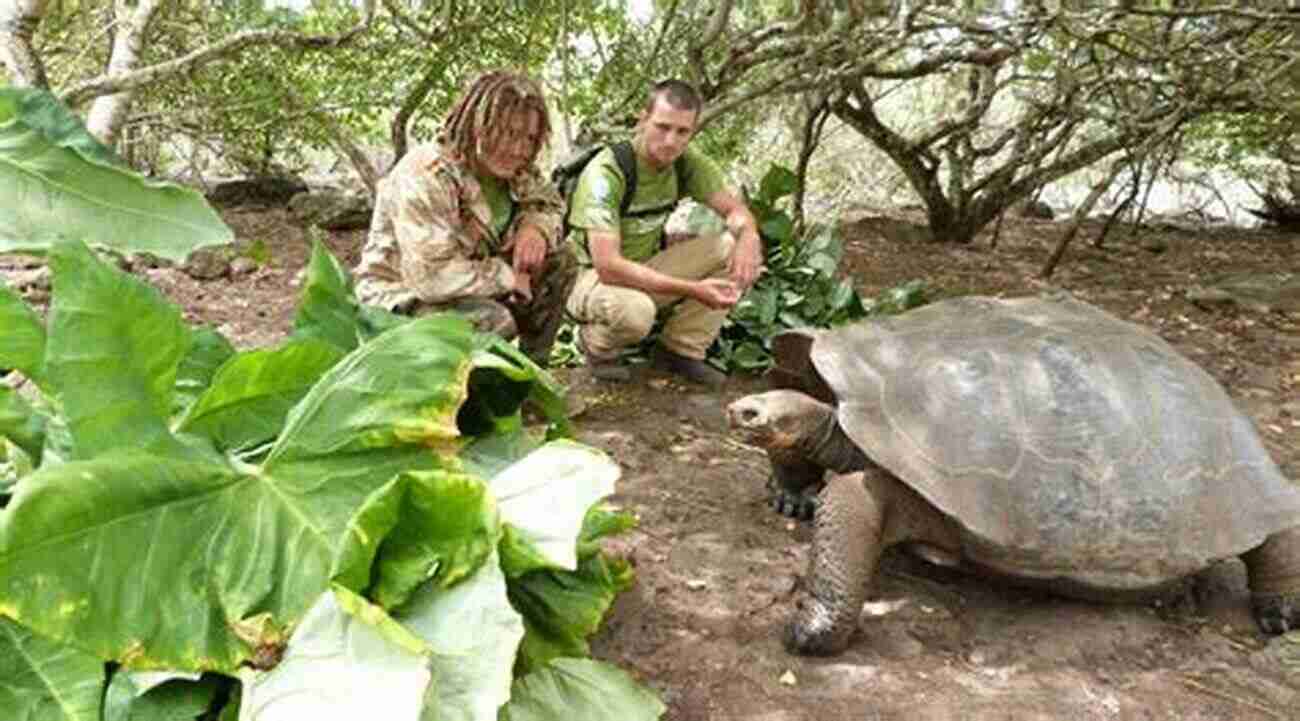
point(431, 235)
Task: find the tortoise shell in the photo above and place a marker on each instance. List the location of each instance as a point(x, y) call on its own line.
point(1067, 443)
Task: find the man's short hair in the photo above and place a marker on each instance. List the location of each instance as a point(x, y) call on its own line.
point(677, 93)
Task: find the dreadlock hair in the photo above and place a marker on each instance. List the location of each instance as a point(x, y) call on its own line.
point(677, 93)
point(485, 108)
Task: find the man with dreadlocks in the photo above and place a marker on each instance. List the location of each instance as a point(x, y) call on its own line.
point(468, 224)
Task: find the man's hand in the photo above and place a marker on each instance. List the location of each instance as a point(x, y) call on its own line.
point(523, 290)
point(530, 250)
point(746, 261)
point(716, 293)
point(747, 257)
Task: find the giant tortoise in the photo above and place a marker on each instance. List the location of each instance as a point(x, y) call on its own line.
point(1037, 440)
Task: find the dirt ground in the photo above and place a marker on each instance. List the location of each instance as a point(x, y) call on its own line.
point(718, 571)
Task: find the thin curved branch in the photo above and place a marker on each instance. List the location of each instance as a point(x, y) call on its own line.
point(397, 129)
point(116, 82)
point(412, 102)
point(339, 137)
point(721, 16)
point(434, 34)
point(637, 91)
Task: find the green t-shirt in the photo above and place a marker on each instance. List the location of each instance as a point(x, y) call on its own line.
point(497, 195)
point(596, 198)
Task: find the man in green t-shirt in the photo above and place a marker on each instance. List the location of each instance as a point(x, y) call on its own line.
point(629, 272)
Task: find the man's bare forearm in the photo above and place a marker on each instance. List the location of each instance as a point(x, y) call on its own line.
point(629, 274)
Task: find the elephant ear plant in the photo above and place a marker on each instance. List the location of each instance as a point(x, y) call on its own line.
point(351, 523)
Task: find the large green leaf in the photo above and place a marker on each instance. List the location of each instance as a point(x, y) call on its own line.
point(562, 609)
point(43, 680)
point(22, 424)
point(543, 500)
point(160, 562)
point(60, 183)
point(449, 525)
point(327, 309)
point(43, 113)
point(473, 633)
point(779, 182)
point(113, 347)
point(208, 350)
point(159, 696)
point(24, 337)
point(404, 387)
point(509, 363)
point(347, 660)
point(250, 395)
point(573, 689)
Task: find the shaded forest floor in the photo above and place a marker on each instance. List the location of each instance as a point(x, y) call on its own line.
point(717, 571)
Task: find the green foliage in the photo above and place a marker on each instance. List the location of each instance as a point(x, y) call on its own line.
point(60, 182)
point(270, 109)
point(800, 287)
point(190, 507)
point(32, 666)
point(361, 493)
point(1255, 146)
point(578, 687)
point(258, 252)
point(152, 696)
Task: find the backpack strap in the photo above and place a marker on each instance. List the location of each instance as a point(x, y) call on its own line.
point(683, 172)
point(625, 156)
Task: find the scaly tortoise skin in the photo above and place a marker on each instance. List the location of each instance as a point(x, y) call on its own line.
point(1034, 439)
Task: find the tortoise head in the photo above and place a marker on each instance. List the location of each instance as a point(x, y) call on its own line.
point(778, 420)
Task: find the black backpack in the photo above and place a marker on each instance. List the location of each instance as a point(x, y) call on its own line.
point(565, 177)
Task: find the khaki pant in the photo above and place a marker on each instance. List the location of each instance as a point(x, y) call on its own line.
point(614, 317)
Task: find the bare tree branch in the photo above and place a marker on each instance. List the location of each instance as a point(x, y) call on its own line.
point(18, 22)
point(340, 139)
point(718, 23)
point(434, 33)
point(116, 82)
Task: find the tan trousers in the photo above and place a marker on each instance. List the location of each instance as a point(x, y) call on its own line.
point(614, 317)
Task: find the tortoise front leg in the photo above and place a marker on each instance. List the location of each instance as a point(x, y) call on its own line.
point(847, 539)
point(794, 487)
point(1273, 570)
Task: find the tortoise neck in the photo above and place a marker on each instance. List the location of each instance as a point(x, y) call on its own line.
point(831, 449)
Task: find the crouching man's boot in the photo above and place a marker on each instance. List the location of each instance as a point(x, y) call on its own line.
point(695, 371)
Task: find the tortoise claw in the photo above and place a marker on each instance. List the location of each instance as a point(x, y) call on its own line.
point(799, 505)
point(812, 632)
point(1277, 614)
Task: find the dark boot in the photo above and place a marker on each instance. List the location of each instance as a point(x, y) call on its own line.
point(695, 371)
point(604, 369)
point(608, 370)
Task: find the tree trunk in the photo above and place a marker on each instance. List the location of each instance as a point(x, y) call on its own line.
point(402, 118)
point(1080, 214)
point(108, 112)
point(810, 139)
point(18, 22)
